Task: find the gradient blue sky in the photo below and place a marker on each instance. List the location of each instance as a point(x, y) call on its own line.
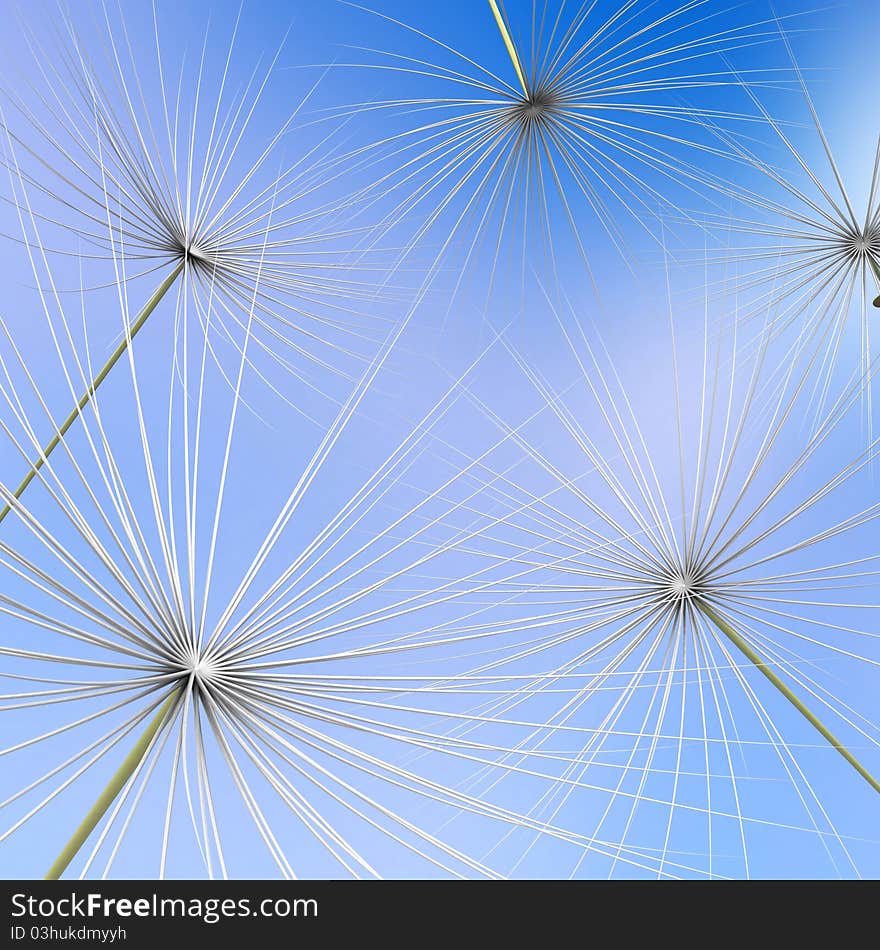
point(836, 45)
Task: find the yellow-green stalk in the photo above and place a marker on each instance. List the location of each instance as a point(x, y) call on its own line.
point(114, 787)
point(711, 614)
point(875, 266)
point(511, 49)
point(142, 318)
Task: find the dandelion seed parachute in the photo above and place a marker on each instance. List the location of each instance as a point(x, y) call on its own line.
point(131, 603)
point(818, 260)
point(156, 169)
point(683, 541)
point(584, 131)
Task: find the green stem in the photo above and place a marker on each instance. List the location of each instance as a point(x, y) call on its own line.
point(114, 787)
point(875, 266)
point(761, 664)
point(142, 318)
point(511, 49)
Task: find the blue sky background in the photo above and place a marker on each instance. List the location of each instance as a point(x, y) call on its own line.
point(279, 430)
